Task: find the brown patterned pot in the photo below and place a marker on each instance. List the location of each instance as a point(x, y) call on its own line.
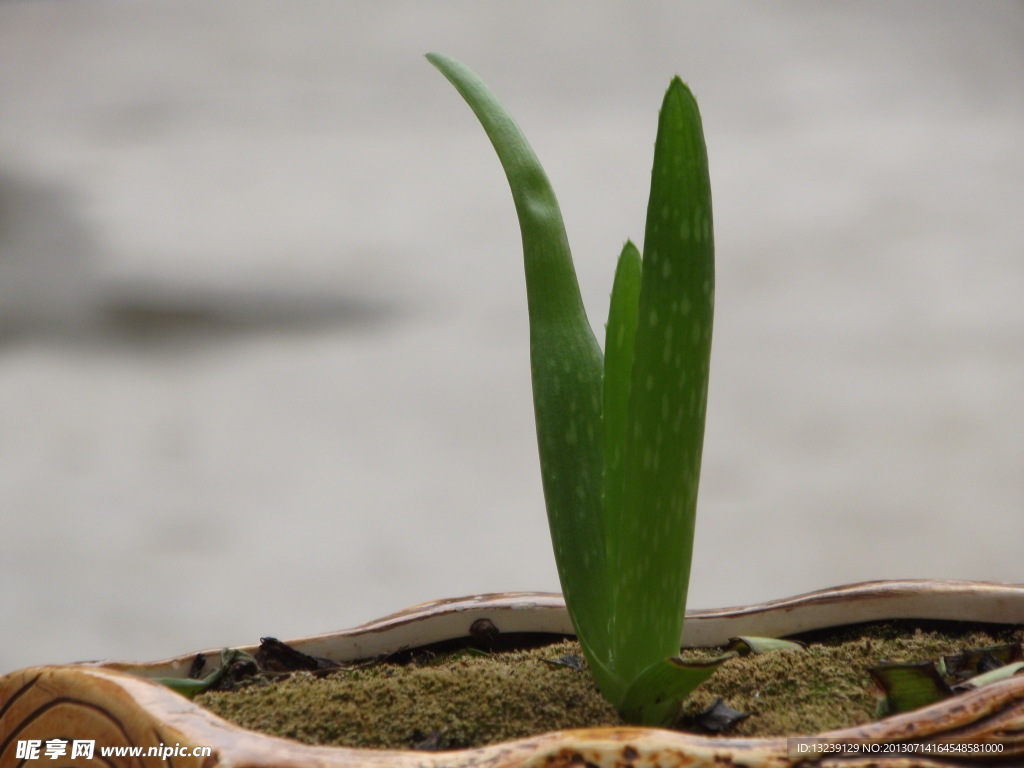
point(114, 705)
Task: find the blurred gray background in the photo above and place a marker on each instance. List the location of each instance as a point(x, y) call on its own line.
point(263, 345)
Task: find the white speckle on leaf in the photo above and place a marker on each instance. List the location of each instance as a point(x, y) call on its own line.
point(570, 435)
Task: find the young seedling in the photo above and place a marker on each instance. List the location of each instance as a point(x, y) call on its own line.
point(620, 435)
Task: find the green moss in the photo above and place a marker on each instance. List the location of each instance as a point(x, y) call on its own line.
point(465, 699)
point(826, 686)
point(456, 701)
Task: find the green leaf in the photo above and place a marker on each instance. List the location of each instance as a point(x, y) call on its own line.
point(909, 686)
point(618, 366)
point(190, 687)
point(566, 365)
point(654, 697)
point(650, 534)
point(745, 646)
point(992, 676)
point(618, 372)
point(186, 686)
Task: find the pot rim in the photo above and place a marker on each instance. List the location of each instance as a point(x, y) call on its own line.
point(545, 612)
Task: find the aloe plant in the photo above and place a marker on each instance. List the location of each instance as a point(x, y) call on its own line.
point(620, 435)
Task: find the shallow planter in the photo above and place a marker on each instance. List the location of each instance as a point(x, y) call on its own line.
point(113, 704)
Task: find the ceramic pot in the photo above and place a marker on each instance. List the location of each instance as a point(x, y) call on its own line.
point(114, 704)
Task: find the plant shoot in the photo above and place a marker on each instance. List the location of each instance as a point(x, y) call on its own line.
point(620, 435)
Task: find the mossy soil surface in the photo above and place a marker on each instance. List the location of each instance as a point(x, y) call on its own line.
point(469, 698)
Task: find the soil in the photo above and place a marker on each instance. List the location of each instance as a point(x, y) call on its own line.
point(453, 699)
